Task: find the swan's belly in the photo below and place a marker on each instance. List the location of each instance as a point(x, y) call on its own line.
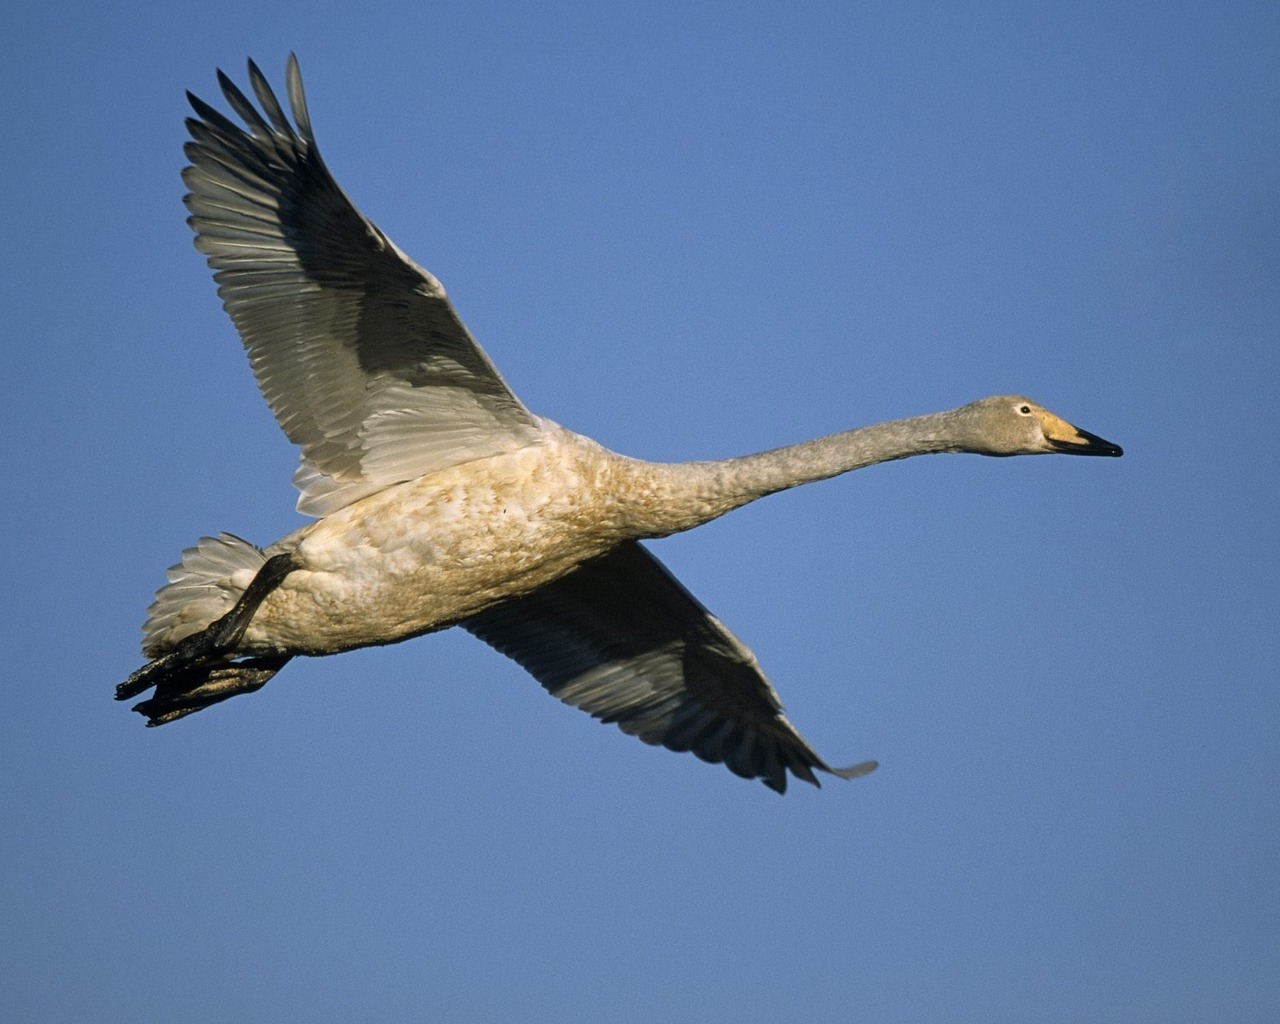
point(422, 555)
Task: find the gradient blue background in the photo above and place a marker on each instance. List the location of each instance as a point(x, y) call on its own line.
point(689, 230)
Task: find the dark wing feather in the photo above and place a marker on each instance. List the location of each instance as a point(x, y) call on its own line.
point(620, 638)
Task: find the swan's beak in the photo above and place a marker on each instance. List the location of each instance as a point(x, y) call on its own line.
point(1069, 440)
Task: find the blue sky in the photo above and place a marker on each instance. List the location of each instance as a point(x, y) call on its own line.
point(688, 230)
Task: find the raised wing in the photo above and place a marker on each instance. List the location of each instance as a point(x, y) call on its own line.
point(356, 348)
point(620, 638)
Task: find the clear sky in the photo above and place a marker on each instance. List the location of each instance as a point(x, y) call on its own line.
point(688, 230)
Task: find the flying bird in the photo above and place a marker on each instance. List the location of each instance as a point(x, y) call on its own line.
point(440, 500)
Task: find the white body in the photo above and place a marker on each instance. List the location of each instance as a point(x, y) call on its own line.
point(425, 554)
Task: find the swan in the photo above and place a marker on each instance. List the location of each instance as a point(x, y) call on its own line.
point(440, 500)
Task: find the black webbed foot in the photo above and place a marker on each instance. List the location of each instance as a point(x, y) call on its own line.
point(195, 687)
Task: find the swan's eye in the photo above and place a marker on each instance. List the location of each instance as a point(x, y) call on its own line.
point(1025, 410)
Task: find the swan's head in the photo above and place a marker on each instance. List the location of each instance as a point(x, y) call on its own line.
point(1013, 425)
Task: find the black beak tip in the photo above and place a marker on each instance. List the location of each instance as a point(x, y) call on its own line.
point(1089, 444)
point(1101, 446)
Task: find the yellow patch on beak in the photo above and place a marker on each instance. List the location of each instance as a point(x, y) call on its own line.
point(1057, 429)
point(1061, 436)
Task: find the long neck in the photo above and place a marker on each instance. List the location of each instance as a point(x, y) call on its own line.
point(686, 494)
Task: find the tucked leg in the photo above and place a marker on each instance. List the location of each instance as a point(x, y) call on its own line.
point(201, 669)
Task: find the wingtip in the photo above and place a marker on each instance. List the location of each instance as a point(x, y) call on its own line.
point(297, 96)
point(855, 771)
point(778, 783)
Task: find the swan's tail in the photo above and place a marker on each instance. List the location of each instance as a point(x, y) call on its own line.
point(202, 588)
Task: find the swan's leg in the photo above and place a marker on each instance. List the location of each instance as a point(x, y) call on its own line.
point(227, 631)
point(200, 670)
